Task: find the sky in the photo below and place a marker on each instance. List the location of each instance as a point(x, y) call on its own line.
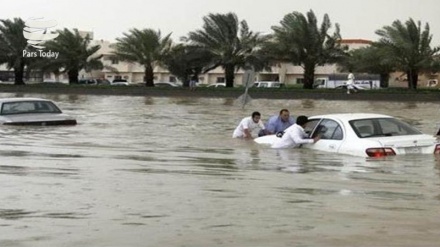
point(109, 19)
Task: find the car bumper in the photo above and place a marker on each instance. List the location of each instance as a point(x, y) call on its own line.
point(43, 123)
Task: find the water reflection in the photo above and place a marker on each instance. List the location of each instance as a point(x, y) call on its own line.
point(149, 101)
point(308, 104)
point(14, 214)
point(411, 105)
point(18, 95)
point(18, 214)
point(229, 102)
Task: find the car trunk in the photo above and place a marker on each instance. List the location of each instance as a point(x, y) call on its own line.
point(409, 144)
point(40, 119)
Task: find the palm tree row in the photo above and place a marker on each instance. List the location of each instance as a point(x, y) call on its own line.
point(225, 41)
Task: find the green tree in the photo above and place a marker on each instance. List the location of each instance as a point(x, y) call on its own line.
point(146, 47)
point(300, 41)
point(12, 45)
point(187, 62)
point(435, 65)
point(75, 53)
point(372, 60)
point(409, 45)
point(229, 42)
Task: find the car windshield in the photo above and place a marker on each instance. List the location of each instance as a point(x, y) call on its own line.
point(26, 107)
point(375, 127)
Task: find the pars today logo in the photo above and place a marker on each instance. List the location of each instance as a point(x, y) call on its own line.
point(36, 31)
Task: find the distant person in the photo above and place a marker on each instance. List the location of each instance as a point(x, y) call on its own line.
point(192, 84)
point(248, 125)
point(350, 83)
point(278, 123)
point(295, 135)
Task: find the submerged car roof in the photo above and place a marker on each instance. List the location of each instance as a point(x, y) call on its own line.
point(21, 99)
point(351, 116)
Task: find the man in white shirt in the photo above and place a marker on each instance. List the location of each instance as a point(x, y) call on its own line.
point(295, 135)
point(248, 126)
point(350, 83)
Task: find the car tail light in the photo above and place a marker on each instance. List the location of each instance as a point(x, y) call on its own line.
point(437, 149)
point(381, 152)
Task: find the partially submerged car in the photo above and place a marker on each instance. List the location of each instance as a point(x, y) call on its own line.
point(269, 84)
point(119, 82)
point(218, 84)
point(166, 84)
point(362, 134)
point(32, 111)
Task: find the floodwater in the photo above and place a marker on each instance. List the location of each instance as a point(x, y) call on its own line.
point(142, 171)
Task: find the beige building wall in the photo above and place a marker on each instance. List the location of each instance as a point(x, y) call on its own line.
point(133, 72)
point(428, 80)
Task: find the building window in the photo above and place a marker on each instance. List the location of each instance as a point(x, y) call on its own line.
point(173, 79)
point(299, 80)
point(115, 61)
point(220, 79)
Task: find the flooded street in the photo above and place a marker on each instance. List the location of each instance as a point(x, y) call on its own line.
point(142, 171)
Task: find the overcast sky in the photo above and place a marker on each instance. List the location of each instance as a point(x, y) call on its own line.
point(109, 19)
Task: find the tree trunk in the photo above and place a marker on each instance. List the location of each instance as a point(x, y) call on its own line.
point(413, 76)
point(415, 79)
point(149, 76)
point(73, 76)
point(229, 74)
point(309, 76)
point(18, 73)
point(185, 80)
point(384, 78)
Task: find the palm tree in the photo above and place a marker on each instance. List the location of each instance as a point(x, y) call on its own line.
point(409, 45)
point(229, 42)
point(187, 62)
point(146, 47)
point(12, 45)
point(300, 41)
point(75, 53)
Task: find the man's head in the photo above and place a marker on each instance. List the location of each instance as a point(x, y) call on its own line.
point(301, 120)
point(256, 116)
point(284, 115)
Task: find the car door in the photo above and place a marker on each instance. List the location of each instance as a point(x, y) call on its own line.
point(331, 133)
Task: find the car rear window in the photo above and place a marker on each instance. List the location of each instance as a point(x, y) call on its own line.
point(375, 127)
point(25, 107)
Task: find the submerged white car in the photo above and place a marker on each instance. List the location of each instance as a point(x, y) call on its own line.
point(32, 111)
point(368, 135)
point(218, 84)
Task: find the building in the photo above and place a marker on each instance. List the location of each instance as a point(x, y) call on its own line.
point(133, 72)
